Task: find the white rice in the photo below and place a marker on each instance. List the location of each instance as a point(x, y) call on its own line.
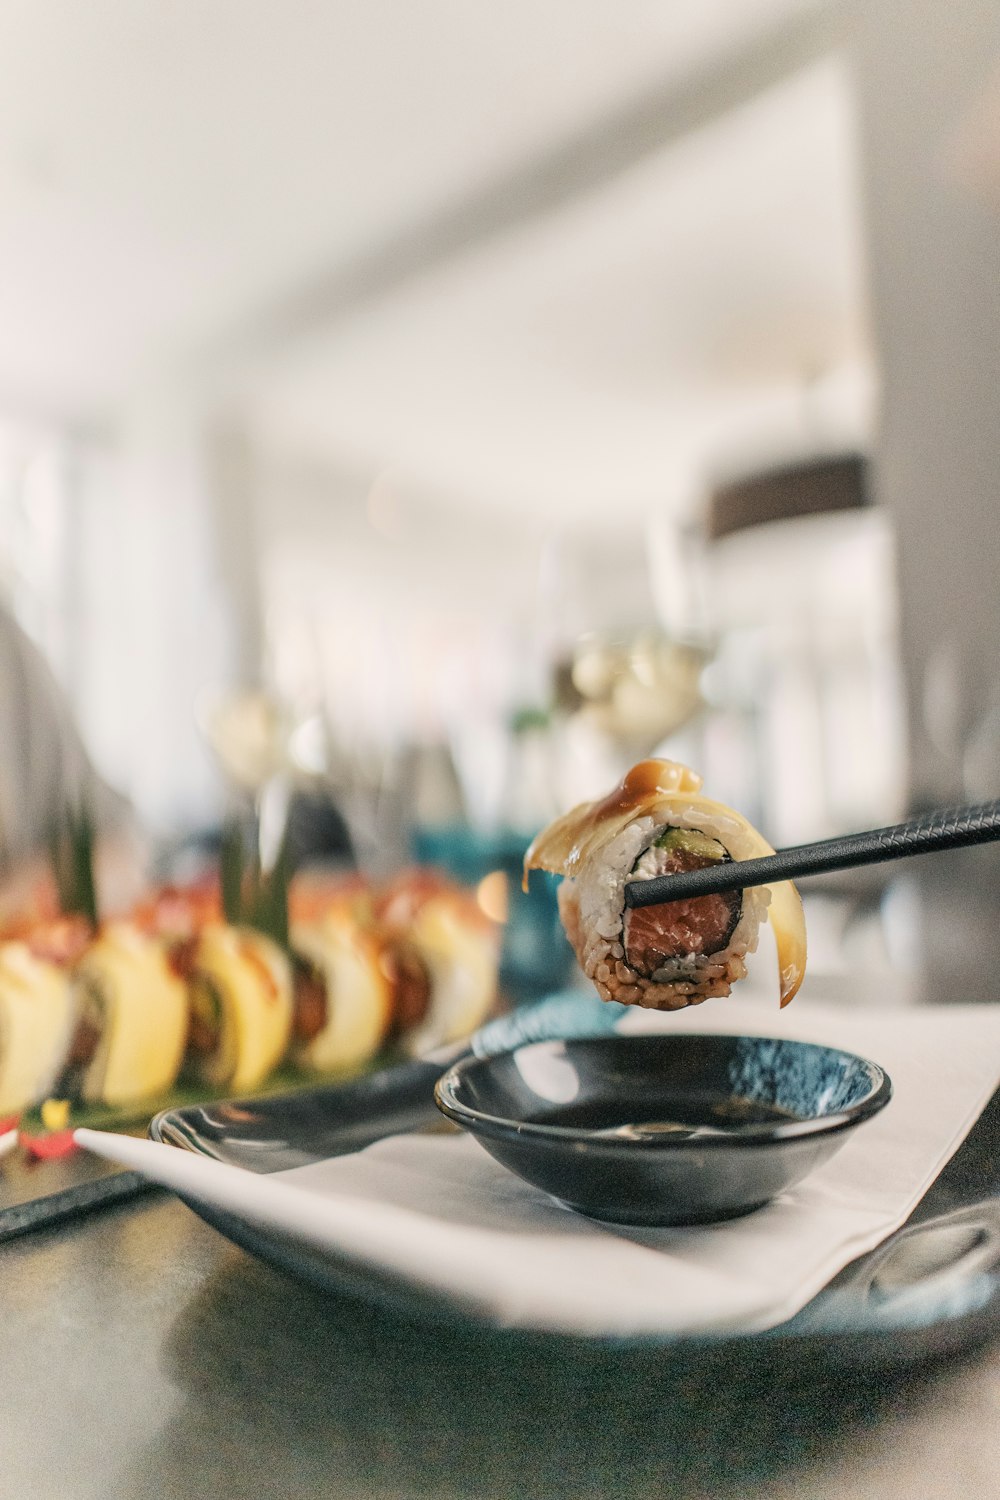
point(593, 911)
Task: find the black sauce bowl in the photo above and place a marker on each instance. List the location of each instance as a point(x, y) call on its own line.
point(660, 1130)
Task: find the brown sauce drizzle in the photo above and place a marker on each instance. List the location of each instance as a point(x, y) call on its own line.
point(647, 779)
point(411, 983)
point(182, 958)
point(204, 1016)
point(310, 1002)
point(83, 1047)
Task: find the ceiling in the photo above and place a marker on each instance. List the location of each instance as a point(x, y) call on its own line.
point(708, 301)
point(468, 242)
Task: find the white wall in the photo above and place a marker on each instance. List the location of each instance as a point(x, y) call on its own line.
point(929, 83)
point(157, 613)
point(929, 88)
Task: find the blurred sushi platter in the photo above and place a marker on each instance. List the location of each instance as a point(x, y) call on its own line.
point(104, 1022)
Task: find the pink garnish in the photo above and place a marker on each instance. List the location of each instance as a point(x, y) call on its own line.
point(46, 1147)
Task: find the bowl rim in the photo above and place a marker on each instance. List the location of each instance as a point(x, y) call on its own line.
point(505, 1127)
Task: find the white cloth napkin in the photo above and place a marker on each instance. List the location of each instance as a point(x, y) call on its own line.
point(437, 1211)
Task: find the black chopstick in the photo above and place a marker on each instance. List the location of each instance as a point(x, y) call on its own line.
point(949, 828)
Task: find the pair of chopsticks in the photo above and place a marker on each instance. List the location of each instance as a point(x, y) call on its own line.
point(949, 828)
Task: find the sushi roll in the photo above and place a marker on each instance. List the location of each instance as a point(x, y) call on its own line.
point(441, 954)
point(657, 822)
point(313, 894)
point(36, 1025)
point(343, 998)
point(131, 1019)
point(176, 914)
point(240, 986)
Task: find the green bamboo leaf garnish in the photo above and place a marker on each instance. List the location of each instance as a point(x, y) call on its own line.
point(251, 898)
point(231, 872)
point(71, 847)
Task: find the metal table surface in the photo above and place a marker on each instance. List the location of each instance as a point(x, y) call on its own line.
point(143, 1355)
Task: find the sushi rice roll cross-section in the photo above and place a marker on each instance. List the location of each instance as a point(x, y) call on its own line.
point(441, 954)
point(343, 999)
point(664, 957)
point(131, 1019)
point(36, 1025)
point(240, 985)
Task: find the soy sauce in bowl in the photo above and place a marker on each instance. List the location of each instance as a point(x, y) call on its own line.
point(663, 1129)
